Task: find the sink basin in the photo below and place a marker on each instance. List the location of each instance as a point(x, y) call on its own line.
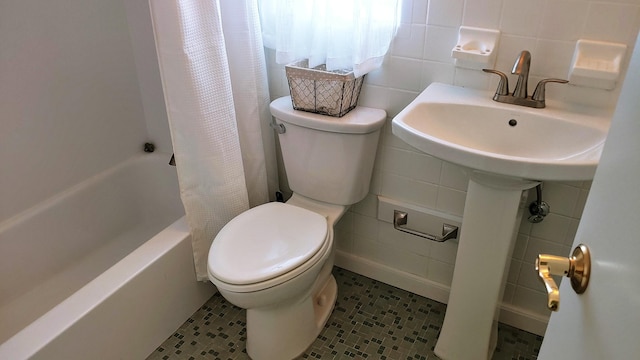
point(468, 128)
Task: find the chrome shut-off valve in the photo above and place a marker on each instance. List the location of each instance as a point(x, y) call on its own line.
point(538, 209)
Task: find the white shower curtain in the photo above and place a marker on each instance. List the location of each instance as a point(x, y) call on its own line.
point(215, 85)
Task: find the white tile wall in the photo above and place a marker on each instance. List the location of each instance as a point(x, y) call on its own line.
point(482, 13)
point(439, 42)
point(562, 20)
point(421, 55)
point(598, 27)
point(409, 42)
point(514, 23)
point(445, 12)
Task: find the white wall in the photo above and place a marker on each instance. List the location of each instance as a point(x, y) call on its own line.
point(421, 55)
point(148, 71)
point(69, 97)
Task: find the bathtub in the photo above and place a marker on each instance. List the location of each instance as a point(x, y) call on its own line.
point(102, 270)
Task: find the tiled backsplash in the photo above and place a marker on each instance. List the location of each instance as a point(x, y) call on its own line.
point(420, 55)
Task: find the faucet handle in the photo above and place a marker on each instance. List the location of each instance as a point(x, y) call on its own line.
point(503, 85)
point(538, 93)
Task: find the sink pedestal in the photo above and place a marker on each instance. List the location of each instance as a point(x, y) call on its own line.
point(491, 217)
point(466, 127)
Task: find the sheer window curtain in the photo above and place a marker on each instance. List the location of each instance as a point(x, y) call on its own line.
point(214, 79)
point(343, 34)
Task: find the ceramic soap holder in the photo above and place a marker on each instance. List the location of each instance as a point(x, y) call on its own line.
point(596, 64)
point(476, 47)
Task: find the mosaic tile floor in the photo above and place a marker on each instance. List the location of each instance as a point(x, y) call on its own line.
point(371, 320)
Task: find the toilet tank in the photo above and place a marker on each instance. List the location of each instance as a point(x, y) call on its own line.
point(326, 158)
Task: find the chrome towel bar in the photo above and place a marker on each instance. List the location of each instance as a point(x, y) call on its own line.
point(400, 219)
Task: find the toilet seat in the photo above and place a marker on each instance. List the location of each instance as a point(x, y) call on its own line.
point(267, 245)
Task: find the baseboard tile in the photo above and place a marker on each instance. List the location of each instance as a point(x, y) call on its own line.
point(509, 314)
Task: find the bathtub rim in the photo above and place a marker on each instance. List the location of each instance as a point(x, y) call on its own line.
point(44, 330)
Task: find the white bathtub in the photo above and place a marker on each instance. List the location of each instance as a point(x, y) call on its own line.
point(101, 271)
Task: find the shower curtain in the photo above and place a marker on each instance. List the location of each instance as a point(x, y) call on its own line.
point(216, 92)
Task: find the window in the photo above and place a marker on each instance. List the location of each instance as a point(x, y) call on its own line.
point(343, 34)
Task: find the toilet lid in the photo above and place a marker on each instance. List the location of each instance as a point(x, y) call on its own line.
point(265, 242)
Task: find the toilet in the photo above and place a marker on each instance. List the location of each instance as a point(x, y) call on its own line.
point(275, 260)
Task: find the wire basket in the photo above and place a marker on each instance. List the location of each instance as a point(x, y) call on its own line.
point(319, 91)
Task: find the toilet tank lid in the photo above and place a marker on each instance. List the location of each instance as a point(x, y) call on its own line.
point(266, 241)
point(361, 120)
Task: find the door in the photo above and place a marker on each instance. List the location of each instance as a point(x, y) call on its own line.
point(604, 322)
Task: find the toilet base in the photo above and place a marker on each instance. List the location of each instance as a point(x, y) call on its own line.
point(287, 330)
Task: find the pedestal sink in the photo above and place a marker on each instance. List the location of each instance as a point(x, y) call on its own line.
point(507, 149)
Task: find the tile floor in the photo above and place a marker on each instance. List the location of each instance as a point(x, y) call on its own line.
point(371, 320)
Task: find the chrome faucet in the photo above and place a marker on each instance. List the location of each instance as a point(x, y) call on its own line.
point(521, 68)
point(520, 95)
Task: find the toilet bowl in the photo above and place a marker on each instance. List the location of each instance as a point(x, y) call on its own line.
point(275, 260)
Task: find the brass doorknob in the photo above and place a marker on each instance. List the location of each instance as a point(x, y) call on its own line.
point(577, 267)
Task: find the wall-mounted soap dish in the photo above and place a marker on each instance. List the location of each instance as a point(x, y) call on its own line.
point(596, 64)
point(476, 47)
